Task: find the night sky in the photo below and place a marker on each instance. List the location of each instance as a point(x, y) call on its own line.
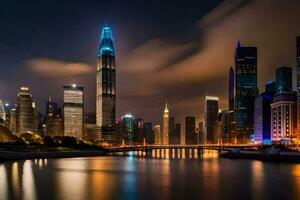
point(165, 50)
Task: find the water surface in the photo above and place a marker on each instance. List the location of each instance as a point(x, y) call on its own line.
point(147, 178)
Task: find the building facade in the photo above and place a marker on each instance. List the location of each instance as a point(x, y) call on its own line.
point(24, 112)
point(283, 117)
point(190, 130)
point(106, 87)
point(157, 135)
point(73, 111)
point(148, 131)
point(284, 79)
point(128, 129)
point(262, 118)
point(298, 88)
point(165, 131)
point(211, 109)
point(245, 91)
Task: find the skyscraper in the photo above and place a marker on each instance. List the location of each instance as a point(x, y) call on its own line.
point(24, 112)
point(177, 133)
point(2, 114)
point(128, 129)
point(73, 111)
point(284, 79)
point(245, 91)
point(231, 89)
point(157, 134)
point(106, 87)
point(149, 132)
point(283, 116)
point(12, 120)
point(190, 130)
point(298, 89)
point(262, 118)
point(165, 132)
point(211, 109)
point(139, 131)
point(270, 88)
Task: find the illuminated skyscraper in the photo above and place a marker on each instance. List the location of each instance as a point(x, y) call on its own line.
point(283, 116)
point(106, 87)
point(73, 111)
point(157, 134)
point(231, 116)
point(12, 120)
point(2, 114)
point(24, 112)
point(245, 91)
point(284, 79)
point(211, 109)
point(148, 133)
point(165, 132)
point(298, 89)
point(139, 131)
point(128, 129)
point(190, 130)
point(231, 89)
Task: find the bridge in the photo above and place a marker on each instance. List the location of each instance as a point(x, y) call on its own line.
point(175, 151)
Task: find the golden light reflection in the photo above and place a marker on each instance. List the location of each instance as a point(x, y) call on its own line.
point(257, 179)
point(15, 178)
point(183, 153)
point(102, 182)
point(72, 179)
point(296, 173)
point(3, 183)
point(167, 153)
point(28, 183)
point(209, 153)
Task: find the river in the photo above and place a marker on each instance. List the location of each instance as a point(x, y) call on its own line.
point(131, 177)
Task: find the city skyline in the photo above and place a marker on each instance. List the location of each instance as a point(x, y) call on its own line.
point(142, 93)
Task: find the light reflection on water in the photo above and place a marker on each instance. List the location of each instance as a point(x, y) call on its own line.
point(139, 177)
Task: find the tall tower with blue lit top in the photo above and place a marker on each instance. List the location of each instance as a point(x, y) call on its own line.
point(106, 87)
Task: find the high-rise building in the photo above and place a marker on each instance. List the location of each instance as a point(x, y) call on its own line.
point(231, 89)
point(245, 91)
point(231, 116)
point(171, 128)
point(201, 132)
point(284, 79)
point(211, 109)
point(190, 130)
point(106, 87)
point(128, 129)
point(283, 116)
point(222, 127)
point(2, 114)
point(165, 131)
point(12, 120)
point(157, 134)
point(73, 111)
point(139, 131)
point(24, 112)
point(270, 88)
point(298, 88)
point(148, 131)
point(262, 118)
point(175, 138)
point(52, 113)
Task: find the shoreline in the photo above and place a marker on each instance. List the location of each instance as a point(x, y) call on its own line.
point(284, 157)
point(12, 156)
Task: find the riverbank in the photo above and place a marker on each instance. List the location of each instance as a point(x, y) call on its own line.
point(273, 156)
point(9, 156)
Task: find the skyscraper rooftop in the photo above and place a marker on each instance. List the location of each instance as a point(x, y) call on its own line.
point(106, 44)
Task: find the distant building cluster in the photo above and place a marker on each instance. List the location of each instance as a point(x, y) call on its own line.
point(251, 117)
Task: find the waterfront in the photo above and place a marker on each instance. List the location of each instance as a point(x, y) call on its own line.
point(131, 177)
